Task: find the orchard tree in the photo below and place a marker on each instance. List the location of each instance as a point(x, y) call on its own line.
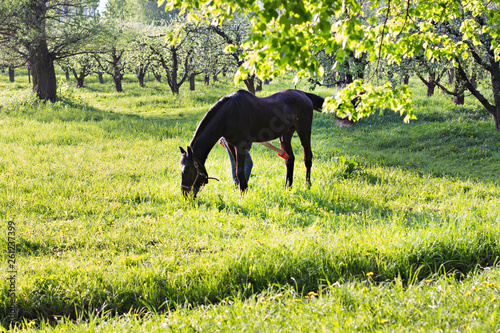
point(116, 40)
point(110, 60)
point(429, 72)
point(9, 60)
point(235, 33)
point(173, 47)
point(209, 56)
point(458, 31)
point(40, 32)
point(81, 66)
point(286, 35)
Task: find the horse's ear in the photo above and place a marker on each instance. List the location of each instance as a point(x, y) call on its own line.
point(182, 150)
point(190, 151)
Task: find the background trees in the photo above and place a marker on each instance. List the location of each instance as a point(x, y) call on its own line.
point(357, 43)
point(39, 32)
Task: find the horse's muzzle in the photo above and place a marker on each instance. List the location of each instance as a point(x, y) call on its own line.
point(185, 190)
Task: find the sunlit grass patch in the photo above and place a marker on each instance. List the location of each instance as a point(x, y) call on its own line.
point(106, 241)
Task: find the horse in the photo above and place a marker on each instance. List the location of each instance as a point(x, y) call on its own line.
point(243, 118)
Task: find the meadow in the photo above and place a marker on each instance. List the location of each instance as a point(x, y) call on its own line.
point(399, 231)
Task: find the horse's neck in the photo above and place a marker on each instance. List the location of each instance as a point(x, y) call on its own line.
point(205, 137)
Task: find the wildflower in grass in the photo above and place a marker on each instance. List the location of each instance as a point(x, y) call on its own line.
point(312, 294)
point(494, 298)
point(384, 321)
point(369, 274)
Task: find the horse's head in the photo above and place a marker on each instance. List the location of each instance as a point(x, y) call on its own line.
point(194, 175)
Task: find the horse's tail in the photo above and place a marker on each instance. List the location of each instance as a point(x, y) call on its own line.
point(317, 101)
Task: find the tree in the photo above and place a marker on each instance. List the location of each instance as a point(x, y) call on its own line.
point(8, 60)
point(460, 31)
point(110, 60)
point(174, 49)
point(42, 31)
point(235, 33)
point(352, 68)
point(209, 56)
point(81, 66)
point(434, 70)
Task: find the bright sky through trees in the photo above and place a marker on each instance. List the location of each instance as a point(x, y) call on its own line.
point(102, 5)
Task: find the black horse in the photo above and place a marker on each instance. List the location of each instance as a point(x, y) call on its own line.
point(242, 118)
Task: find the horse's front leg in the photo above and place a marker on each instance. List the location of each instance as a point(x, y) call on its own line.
point(240, 168)
point(286, 144)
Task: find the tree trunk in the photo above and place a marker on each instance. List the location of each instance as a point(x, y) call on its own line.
point(473, 80)
point(79, 81)
point(118, 82)
point(250, 83)
point(11, 74)
point(192, 82)
point(495, 84)
point(175, 88)
point(496, 118)
point(341, 82)
point(101, 79)
point(459, 96)
point(451, 75)
point(207, 79)
point(406, 79)
point(259, 85)
point(459, 99)
point(44, 76)
point(140, 76)
point(431, 85)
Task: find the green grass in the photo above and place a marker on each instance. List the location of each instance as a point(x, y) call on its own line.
point(409, 240)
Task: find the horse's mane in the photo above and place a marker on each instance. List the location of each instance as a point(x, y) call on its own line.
point(212, 112)
point(235, 98)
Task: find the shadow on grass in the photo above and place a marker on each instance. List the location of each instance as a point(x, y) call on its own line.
point(114, 124)
point(462, 145)
point(254, 270)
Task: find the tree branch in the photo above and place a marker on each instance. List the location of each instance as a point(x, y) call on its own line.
point(473, 90)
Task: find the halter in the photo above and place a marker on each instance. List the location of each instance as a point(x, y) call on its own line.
point(198, 174)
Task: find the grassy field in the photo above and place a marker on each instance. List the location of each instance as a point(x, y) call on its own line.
point(399, 231)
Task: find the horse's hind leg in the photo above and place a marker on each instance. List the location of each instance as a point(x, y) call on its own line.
point(286, 144)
